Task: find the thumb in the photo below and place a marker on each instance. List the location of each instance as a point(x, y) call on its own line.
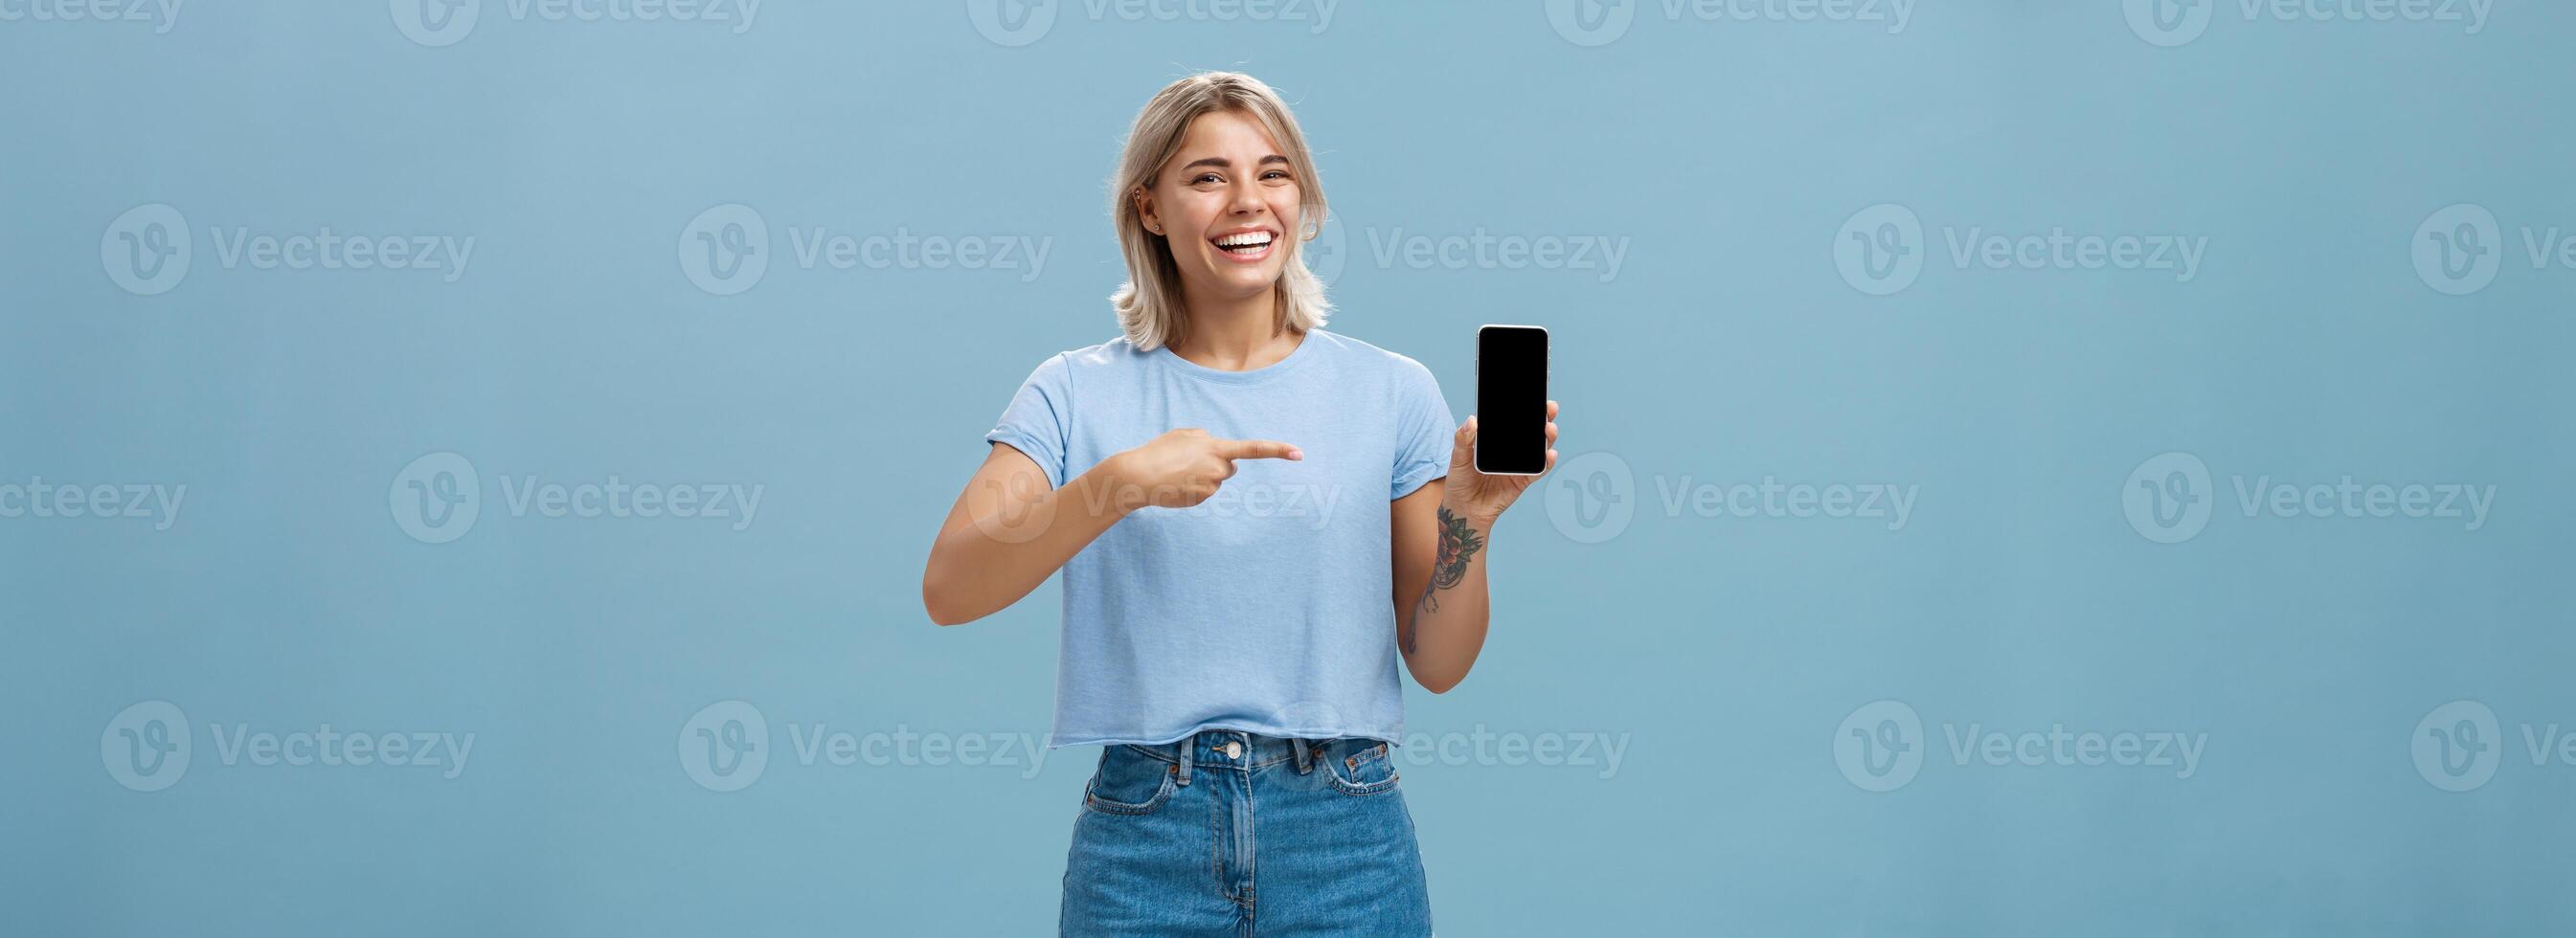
point(1463, 453)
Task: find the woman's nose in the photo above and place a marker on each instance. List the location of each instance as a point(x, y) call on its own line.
point(1245, 199)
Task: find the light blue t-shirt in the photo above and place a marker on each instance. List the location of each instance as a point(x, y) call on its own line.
point(1269, 608)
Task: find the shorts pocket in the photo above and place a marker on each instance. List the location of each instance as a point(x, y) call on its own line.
point(1129, 782)
point(1361, 767)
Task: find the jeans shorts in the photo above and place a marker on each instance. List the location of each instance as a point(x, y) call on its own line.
point(1239, 834)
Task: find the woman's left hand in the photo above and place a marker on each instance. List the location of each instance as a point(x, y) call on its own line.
point(1479, 497)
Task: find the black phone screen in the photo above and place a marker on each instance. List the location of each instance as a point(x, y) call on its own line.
point(1511, 399)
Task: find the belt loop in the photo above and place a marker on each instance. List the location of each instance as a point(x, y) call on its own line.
point(1305, 757)
point(1183, 749)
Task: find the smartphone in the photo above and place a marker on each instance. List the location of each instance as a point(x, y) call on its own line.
point(1511, 400)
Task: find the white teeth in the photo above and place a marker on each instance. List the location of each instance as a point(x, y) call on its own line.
point(1245, 239)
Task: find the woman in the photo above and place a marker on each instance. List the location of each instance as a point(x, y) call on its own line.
point(1236, 596)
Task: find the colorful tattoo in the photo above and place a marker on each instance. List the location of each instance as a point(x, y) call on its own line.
point(1458, 544)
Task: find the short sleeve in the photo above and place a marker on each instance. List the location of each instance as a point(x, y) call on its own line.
point(1424, 429)
point(1037, 422)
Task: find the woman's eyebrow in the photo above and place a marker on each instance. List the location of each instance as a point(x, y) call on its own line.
point(1221, 162)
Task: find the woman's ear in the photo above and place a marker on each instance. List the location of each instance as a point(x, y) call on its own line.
point(1145, 210)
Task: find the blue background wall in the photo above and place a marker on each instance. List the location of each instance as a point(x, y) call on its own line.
point(2337, 670)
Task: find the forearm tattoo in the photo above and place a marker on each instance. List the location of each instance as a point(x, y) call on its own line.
point(1458, 544)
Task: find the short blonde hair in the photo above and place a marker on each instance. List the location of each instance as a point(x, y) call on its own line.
point(1149, 304)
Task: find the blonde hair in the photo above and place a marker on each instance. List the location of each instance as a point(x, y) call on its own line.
point(1149, 304)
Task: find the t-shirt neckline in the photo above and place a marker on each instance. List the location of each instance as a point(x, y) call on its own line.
point(1296, 356)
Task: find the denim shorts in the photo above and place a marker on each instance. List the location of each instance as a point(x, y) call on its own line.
point(1227, 833)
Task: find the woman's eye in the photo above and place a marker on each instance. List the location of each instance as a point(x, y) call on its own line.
point(1279, 174)
point(1206, 178)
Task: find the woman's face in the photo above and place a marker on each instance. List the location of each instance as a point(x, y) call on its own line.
point(1227, 203)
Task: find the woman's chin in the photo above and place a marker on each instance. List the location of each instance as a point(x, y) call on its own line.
point(1243, 283)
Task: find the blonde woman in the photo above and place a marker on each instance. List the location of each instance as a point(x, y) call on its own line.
point(1244, 508)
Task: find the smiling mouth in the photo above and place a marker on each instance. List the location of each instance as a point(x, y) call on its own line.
point(1245, 245)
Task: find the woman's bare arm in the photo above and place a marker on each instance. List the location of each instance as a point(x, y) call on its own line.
point(1441, 606)
point(1009, 531)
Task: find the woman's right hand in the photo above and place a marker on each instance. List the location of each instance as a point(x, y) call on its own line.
point(1183, 467)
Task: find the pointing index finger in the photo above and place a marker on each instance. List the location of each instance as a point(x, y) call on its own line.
point(1257, 449)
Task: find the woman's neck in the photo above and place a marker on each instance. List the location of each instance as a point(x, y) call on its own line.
point(1240, 335)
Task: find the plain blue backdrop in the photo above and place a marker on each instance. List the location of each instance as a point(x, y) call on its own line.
point(2373, 697)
